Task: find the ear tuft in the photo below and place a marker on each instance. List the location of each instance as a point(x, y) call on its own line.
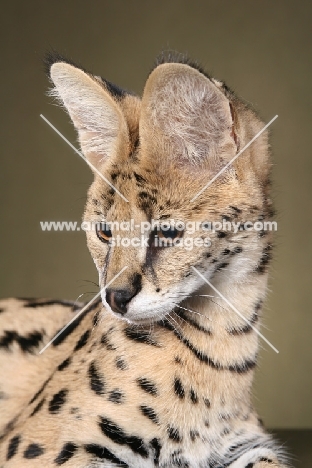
point(52, 56)
point(172, 56)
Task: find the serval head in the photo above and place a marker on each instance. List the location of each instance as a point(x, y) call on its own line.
point(151, 158)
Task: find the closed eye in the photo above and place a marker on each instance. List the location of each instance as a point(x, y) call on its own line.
point(103, 232)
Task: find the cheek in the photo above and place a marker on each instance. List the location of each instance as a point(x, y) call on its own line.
point(98, 250)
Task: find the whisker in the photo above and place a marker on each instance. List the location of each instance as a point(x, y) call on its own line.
point(192, 311)
point(179, 316)
point(169, 316)
point(92, 282)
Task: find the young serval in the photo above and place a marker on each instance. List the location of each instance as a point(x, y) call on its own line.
point(159, 372)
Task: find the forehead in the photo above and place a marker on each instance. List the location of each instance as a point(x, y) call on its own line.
point(151, 193)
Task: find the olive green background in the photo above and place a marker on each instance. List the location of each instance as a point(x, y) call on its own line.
point(262, 49)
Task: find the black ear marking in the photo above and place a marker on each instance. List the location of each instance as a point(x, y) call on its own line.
point(172, 56)
point(52, 56)
point(233, 132)
point(117, 92)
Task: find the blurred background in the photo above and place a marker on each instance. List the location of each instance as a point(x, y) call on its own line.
point(261, 49)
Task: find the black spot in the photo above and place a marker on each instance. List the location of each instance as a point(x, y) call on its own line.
point(33, 451)
point(139, 178)
point(264, 260)
point(226, 252)
point(174, 434)
point(105, 341)
point(208, 255)
point(177, 459)
point(157, 448)
point(137, 282)
point(234, 447)
point(226, 218)
point(95, 318)
point(237, 250)
point(141, 336)
point(193, 322)
point(96, 380)
point(34, 304)
point(9, 426)
point(146, 197)
point(104, 454)
point(221, 234)
point(40, 390)
point(13, 446)
point(116, 396)
point(157, 289)
point(58, 401)
point(111, 192)
point(224, 417)
point(266, 460)
point(207, 402)
point(149, 413)
point(250, 465)
point(147, 385)
point(193, 396)
point(64, 364)
point(178, 388)
point(114, 176)
point(82, 340)
point(67, 452)
point(239, 368)
point(27, 343)
point(236, 209)
point(246, 328)
point(120, 363)
point(1, 310)
point(225, 432)
point(73, 325)
point(177, 359)
point(194, 435)
point(221, 266)
point(258, 305)
point(38, 407)
point(117, 435)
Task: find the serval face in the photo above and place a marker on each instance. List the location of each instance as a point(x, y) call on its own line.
point(156, 154)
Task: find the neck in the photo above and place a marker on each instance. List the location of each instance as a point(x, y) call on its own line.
point(222, 338)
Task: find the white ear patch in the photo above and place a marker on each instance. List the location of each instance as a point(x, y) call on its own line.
point(189, 112)
point(101, 127)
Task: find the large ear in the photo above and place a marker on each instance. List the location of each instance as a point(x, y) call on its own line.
point(101, 126)
point(186, 117)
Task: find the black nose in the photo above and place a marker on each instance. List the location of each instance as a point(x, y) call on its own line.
point(118, 299)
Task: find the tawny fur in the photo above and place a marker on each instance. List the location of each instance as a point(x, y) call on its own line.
point(169, 383)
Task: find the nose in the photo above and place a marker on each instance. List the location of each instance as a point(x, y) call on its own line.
point(118, 299)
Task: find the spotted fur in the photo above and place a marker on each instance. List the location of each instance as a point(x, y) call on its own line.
point(165, 380)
